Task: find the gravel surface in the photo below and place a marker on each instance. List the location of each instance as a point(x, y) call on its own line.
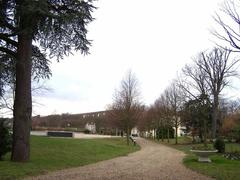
point(152, 162)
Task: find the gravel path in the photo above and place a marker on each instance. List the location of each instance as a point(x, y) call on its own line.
point(152, 162)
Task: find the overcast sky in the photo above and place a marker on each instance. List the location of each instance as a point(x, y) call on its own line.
point(153, 38)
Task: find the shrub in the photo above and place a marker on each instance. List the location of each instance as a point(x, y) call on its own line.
point(163, 132)
point(219, 144)
point(5, 140)
point(202, 147)
point(87, 131)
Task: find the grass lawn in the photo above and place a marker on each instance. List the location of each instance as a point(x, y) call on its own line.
point(220, 168)
point(48, 154)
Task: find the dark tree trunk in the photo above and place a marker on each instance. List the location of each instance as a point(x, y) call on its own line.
point(162, 129)
point(176, 135)
point(214, 117)
point(128, 134)
point(23, 98)
point(168, 135)
point(205, 132)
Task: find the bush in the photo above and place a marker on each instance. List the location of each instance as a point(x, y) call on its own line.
point(163, 132)
point(5, 140)
point(86, 131)
point(219, 144)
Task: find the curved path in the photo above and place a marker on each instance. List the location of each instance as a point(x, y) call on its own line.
point(154, 161)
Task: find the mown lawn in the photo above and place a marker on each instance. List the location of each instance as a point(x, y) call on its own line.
point(220, 168)
point(49, 154)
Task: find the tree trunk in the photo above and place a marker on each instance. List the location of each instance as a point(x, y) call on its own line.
point(176, 136)
point(155, 134)
point(205, 133)
point(128, 136)
point(168, 135)
point(23, 100)
point(214, 117)
point(162, 133)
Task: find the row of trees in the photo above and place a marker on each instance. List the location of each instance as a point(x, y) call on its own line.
point(195, 98)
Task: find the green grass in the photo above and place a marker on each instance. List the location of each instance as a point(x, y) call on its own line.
point(220, 168)
point(49, 154)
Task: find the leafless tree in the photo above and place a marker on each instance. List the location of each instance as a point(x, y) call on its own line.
point(229, 21)
point(194, 81)
point(218, 68)
point(126, 107)
point(175, 100)
point(163, 114)
point(6, 101)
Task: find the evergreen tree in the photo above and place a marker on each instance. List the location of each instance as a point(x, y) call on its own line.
point(58, 27)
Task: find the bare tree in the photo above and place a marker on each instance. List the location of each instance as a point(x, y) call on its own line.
point(163, 114)
point(127, 108)
point(229, 33)
point(175, 101)
point(194, 81)
point(218, 68)
point(7, 100)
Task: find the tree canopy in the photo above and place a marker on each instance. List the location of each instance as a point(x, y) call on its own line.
point(57, 29)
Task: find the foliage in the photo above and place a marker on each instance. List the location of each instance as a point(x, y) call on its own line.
point(58, 28)
point(236, 131)
point(231, 127)
point(5, 140)
point(219, 144)
point(162, 132)
point(197, 115)
point(51, 154)
point(202, 147)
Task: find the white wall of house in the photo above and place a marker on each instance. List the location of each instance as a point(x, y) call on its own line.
point(135, 131)
point(91, 127)
point(180, 130)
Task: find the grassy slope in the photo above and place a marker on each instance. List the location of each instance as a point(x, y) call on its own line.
point(220, 168)
point(48, 154)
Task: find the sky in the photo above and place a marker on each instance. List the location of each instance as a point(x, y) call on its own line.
point(154, 39)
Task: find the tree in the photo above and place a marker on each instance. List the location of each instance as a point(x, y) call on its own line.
point(194, 81)
point(197, 113)
point(230, 27)
point(127, 108)
point(175, 102)
point(58, 27)
point(163, 117)
point(219, 67)
point(7, 100)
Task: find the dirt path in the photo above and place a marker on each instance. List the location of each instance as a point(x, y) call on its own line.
point(152, 162)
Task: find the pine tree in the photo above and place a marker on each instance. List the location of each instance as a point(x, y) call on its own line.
point(58, 27)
